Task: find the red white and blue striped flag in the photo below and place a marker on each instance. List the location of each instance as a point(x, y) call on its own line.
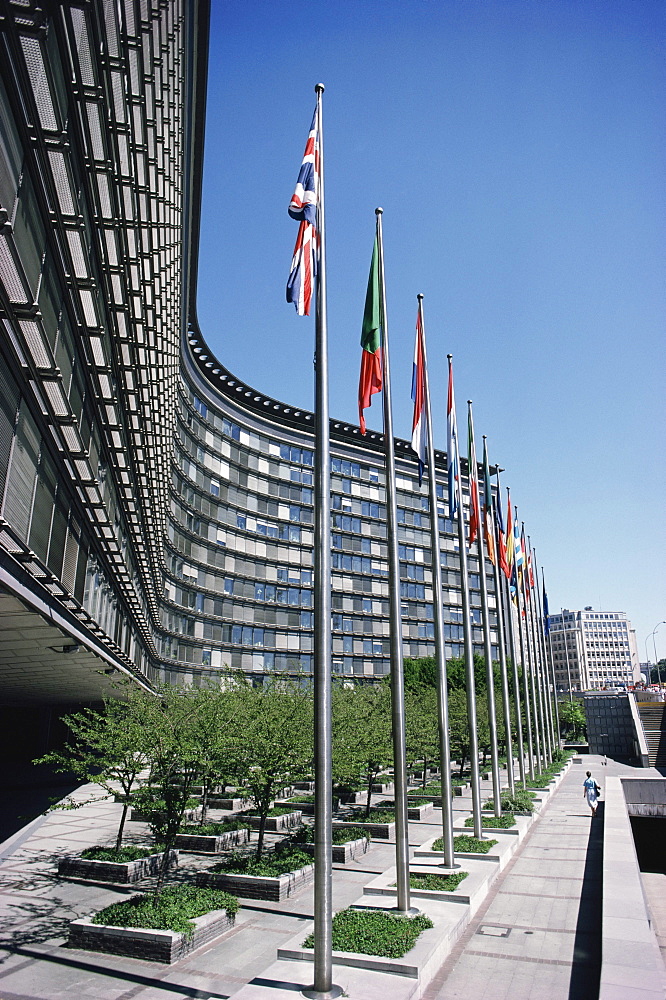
point(303, 207)
point(419, 423)
point(452, 445)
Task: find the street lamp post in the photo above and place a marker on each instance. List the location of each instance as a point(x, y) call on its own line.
point(656, 661)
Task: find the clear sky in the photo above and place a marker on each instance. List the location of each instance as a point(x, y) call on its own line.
point(518, 151)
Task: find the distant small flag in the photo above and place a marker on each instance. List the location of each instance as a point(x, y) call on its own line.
point(501, 537)
point(518, 553)
point(303, 207)
point(452, 445)
point(419, 423)
point(473, 477)
point(546, 619)
point(509, 533)
point(488, 533)
point(370, 380)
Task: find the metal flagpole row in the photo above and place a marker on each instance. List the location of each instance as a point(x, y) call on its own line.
point(548, 652)
point(438, 599)
point(395, 613)
point(543, 661)
point(510, 633)
point(565, 637)
point(541, 691)
point(534, 662)
point(502, 643)
point(526, 681)
point(487, 648)
point(469, 649)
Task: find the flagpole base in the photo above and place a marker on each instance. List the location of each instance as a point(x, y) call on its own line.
point(313, 994)
point(413, 911)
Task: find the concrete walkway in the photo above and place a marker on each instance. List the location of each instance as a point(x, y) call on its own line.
point(538, 933)
point(538, 930)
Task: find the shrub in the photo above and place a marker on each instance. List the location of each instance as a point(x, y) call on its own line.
point(172, 910)
point(306, 835)
point(466, 845)
point(441, 883)
point(213, 829)
point(273, 864)
point(376, 815)
point(375, 932)
point(494, 822)
point(521, 803)
point(273, 811)
point(122, 854)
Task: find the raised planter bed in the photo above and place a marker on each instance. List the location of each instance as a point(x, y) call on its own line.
point(353, 798)
point(122, 872)
point(380, 789)
point(276, 824)
point(149, 945)
point(378, 831)
point(270, 887)
point(414, 812)
point(224, 802)
point(189, 816)
point(342, 854)
point(307, 808)
point(304, 786)
point(212, 844)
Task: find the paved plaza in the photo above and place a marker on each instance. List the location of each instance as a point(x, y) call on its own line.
point(537, 932)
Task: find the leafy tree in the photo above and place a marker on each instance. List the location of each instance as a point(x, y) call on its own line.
point(572, 719)
point(270, 731)
point(177, 755)
point(459, 728)
point(362, 744)
point(110, 748)
point(422, 727)
point(658, 672)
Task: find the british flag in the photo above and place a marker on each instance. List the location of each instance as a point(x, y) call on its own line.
point(303, 207)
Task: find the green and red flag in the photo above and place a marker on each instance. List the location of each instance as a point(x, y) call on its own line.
point(370, 380)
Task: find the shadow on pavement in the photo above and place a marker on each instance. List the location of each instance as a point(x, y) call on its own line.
point(586, 966)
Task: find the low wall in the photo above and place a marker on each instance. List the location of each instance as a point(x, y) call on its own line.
point(630, 956)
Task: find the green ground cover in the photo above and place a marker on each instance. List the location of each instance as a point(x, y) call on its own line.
point(494, 822)
point(172, 910)
point(276, 863)
point(213, 829)
point(442, 883)
point(466, 845)
point(122, 855)
point(375, 932)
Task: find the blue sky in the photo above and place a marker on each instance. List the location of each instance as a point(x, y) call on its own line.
point(517, 149)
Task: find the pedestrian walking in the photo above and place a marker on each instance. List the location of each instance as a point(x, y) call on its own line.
point(591, 792)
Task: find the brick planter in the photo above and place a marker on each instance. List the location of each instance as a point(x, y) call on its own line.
point(307, 808)
point(380, 789)
point(277, 824)
point(304, 786)
point(149, 945)
point(213, 844)
point(378, 831)
point(224, 802)
point(353, 798)
point(189, 816)
point(123, 872)
point(270, 887)
point(342, 854)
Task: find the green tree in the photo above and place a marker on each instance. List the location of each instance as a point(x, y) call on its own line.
point(270, 739)
point(572, 719)
point(422, 727)
point(109, 748)
point(362, 745)
point(459, 728)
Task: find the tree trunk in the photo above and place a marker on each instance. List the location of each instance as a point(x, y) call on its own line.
point(260, 837)
point(119, 836)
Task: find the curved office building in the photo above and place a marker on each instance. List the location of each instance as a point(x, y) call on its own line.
point(156, 514)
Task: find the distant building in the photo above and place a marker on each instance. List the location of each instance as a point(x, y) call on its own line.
point(593, 650)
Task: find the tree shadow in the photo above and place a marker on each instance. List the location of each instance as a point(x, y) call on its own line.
point(586, 964)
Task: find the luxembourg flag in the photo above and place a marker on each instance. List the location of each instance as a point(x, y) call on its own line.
point(452, 445)
point(419, 423)
point(303, 208)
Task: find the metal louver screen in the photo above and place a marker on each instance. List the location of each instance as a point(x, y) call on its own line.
point(34, 61)
point(42, 513)
point(9, 401)
point(22, 472)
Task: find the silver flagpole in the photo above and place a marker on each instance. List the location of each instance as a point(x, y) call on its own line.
point(440, 652)
point(488, 653)
point(538, 674)
point(469, 655)
point(548, 653)
point(323, 888)
point(523, 664)
point(501, 641)
point(530, 661)
point(565, 636)
point(543, 676)
point(508, 622)
point(395, 613)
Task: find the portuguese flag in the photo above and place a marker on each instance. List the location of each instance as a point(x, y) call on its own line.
point(370, 380)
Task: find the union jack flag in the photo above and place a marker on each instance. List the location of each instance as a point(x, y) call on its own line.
point(303, 207)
